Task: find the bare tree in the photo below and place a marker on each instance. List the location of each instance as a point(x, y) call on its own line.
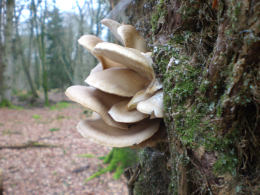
point(40, 25)
point(6, 26)
point(20, 51)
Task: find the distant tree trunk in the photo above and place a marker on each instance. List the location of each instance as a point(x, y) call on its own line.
point(81, 24)
point(19, 50)
point(207, 56)
point(40, 33)
point(42, 50)
point(2, 66)
point(98, 18)
point(6, 48)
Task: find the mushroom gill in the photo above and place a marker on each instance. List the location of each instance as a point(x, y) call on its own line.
point(124, 91)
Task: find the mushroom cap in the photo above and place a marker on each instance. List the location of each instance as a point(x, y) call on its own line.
point(96, 101)
point(126, 34)
point(158, 137)
point(97, 68)
point(130, 57)
point(98, 131)
point(113, 26)
point(107, 63)
point(153, 105)
point(119, 81)
point(144, 94)
point(154, 86)
point(131, 37)
point(138, 97)
point(89, 42)
point(120, 113)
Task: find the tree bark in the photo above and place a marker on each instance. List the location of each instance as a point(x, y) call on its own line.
point(6, 65)
point(207, 56)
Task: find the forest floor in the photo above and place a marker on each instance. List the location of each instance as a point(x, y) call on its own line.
point(61, 169)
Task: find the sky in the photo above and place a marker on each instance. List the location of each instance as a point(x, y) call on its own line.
point(63, 5)
point(68, 5)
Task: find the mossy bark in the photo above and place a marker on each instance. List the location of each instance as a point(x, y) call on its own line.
point(206, 53)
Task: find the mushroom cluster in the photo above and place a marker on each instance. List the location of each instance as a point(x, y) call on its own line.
point(123, 93)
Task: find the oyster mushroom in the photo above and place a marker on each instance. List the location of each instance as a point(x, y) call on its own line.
point(158, 137)
point(89, 42)
point(120, 113)
point(131, 58)
point(153, 105)
point(113, 26)
point(97, 68)
point(124, 91)
point(119, 81)
point(98, 131)
point(96, 101)
point(126, 34)
point(138, 97)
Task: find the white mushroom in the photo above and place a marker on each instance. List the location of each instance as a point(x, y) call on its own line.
point(120, 113)
point(138, 97)
point(119, 81)
point(97, 68)
point(113, 26)
point(98, 131)
point(132, 38)
point(131, 58)
point(89, 42)
point(154, 86)
point(158, 137)
point(126, 34)
point(125, 96)
point(96, 101)
point(153, 105)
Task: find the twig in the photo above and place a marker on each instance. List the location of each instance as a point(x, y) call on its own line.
point(132, 177)
point(29, 144)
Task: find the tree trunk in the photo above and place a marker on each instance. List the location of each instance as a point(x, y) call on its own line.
point(206, 53)
point(6, 64)
point(40, 33)
point(26, 62)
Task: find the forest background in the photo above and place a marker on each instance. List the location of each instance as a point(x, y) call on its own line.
point(38, 46)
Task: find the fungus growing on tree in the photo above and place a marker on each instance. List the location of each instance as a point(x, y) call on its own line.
point(124, 94)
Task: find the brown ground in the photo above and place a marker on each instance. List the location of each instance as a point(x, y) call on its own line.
point(51, 170)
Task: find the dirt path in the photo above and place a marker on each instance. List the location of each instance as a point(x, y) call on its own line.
point(51, 171)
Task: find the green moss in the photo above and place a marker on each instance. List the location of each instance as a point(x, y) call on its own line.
point(159, 14)
point(234, 12)
point(211, 113)
point(188, 9)
point(194, 116)
point(118, 159)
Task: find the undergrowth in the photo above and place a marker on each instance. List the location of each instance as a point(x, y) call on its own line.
point(60, 106)
point(117, 160)
point(7, 104)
